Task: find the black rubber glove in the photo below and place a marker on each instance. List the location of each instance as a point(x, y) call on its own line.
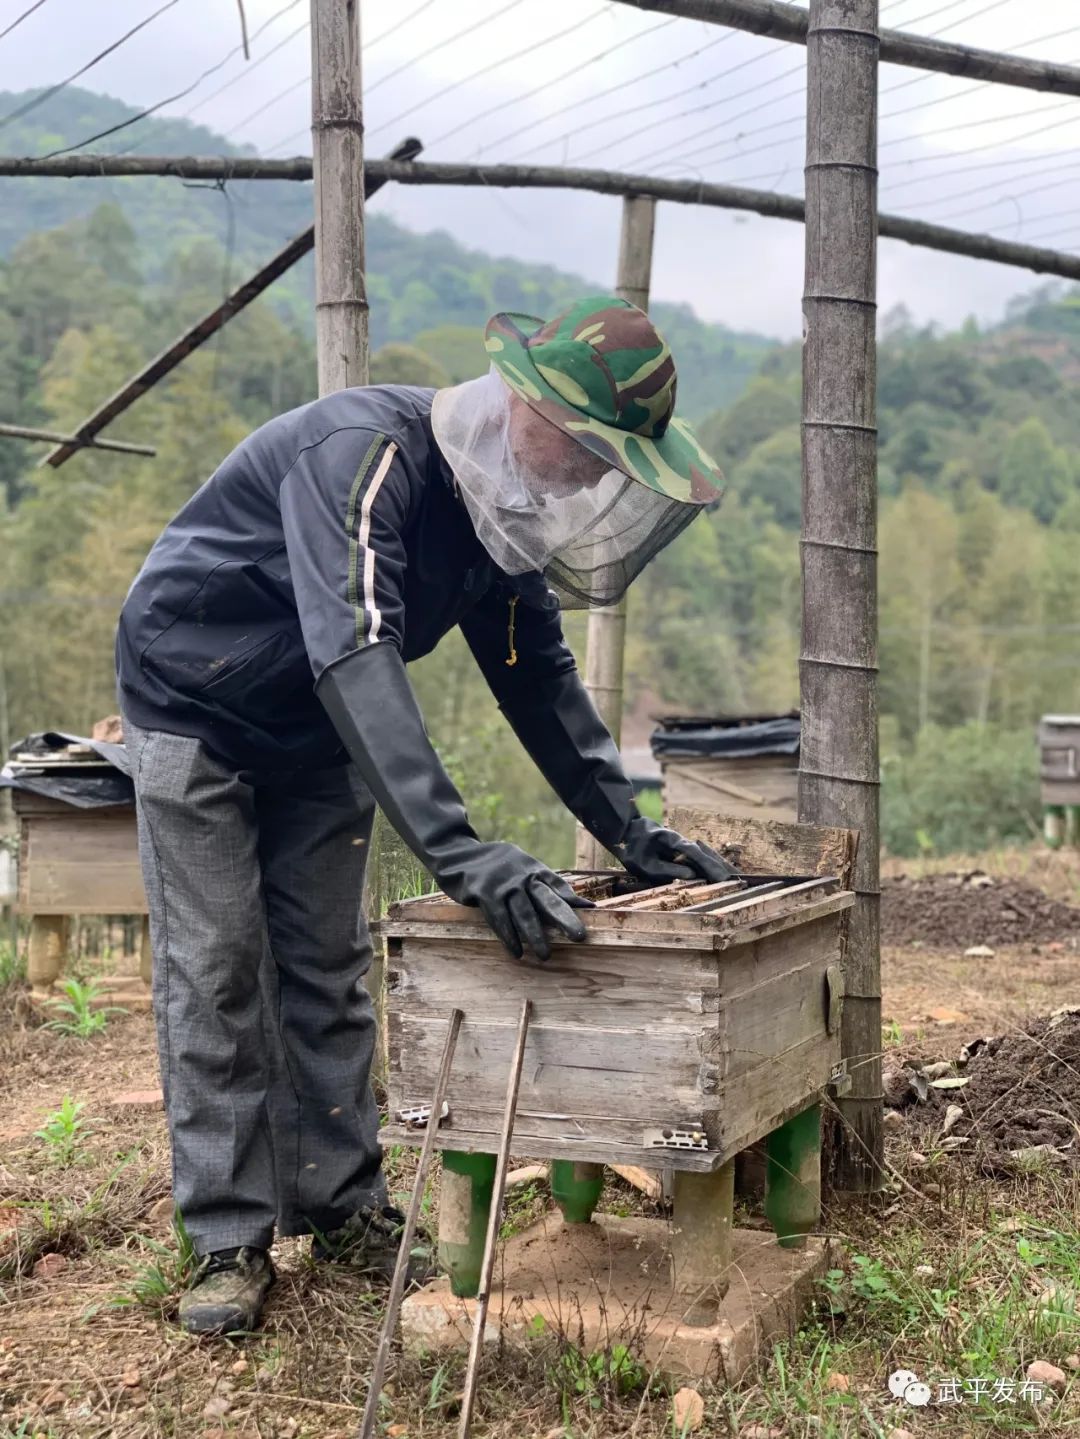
point(660, 855)
point(372, 706)
point(573, 749)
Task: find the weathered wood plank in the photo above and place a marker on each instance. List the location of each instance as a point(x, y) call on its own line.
point(553, 1145)
point(80, 862)
point(759, 789)
point(592, 1074)
point(761, 1098)
point(772, 846)
point(591, 986)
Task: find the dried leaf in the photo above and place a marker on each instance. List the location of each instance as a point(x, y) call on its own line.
point(687, 1411)
point(952, 1081)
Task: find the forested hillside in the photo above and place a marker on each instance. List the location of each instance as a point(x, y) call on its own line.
point(980, 505)
point(415, 282)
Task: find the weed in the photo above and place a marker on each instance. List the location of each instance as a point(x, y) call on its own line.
point(607, 1375)
point(156, 1283)
point(891, 1034)
point(64, 1132)
point(29, 1427)
point(12, 964)
point(77, 1015)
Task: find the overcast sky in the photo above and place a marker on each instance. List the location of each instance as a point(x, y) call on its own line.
point(650, 94)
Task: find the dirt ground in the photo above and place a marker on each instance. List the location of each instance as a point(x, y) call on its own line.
point(89, 1270)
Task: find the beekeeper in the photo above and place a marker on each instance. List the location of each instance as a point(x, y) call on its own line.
point(261, 657)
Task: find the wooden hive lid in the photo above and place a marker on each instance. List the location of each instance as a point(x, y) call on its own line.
point(688, 912)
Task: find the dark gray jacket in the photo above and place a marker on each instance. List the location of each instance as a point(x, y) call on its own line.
point(332, 527)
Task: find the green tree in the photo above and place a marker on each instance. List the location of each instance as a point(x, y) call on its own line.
point(1035, 473)
point(397, 364)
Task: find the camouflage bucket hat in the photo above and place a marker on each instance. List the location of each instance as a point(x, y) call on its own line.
point(602, 372)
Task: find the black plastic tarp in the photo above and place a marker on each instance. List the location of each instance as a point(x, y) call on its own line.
point(76, 784)
point(687, 736)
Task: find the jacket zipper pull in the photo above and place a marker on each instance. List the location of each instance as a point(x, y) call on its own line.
point(510, 631)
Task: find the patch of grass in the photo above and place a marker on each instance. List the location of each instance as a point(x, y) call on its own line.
point(156, 1282)
point(12, 964)
point(65, 1132)
point(77, 1014)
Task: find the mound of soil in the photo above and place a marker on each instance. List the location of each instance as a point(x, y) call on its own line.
point(1022, 1090)
point(958, 911)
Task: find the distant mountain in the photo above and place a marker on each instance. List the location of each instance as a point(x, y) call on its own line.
point(416, 281)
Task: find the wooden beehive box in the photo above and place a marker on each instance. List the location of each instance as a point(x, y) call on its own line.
point(745, 776)
point(1059, 759)
point(77, 861)
point(691, 1021)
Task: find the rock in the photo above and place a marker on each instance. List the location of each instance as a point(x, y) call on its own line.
point(938, 1070)
point(924, 1271)
point(979, 951)
point(1038, 1154)
point(240, 1367)
point(916, 1160)
point(899, 1434)
point(893, 1121)
point(978, 880)
point(932, 1191)
point(953, 1113)
point(136, 1099)
point(217, 1406)
point(1073, 1361)
point(131, 1378)
point(752, 1431)
point(951, 1081)
point(49, 1266)
point(1039, 1371)
point(162, 1212)
point(687, 1411)
point(109, 730)
point(838, 1383)
point(395, 1431)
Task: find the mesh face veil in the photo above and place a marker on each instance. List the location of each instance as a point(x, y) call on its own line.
point(539, 500)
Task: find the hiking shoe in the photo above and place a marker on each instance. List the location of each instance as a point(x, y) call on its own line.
point(228, 1291)
point(369, 1241)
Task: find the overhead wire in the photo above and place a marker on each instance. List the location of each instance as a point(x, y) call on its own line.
point(248, 69)
point(20, 18)
point(529, 49)
point(640, 107)
point(798, 119)
point(171, 99)
point(414, 60)
point(442, 44)
point(398, 25)
point(47, 94)
point(552, 83)
point(565, 110)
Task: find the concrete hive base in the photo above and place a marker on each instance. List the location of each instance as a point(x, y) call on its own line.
point(609, 1282)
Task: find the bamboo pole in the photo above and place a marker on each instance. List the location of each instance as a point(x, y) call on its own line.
point(1037, 258)
point(56, 437)
point(197, 334)
point(605, 640)
point(341, 308)
point(839, 767)
point(788, 22)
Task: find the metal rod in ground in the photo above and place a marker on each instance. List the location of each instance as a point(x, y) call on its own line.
point(408, 1233)
point(487, 1266)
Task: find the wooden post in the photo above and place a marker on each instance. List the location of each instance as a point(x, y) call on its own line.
point(341, 309)
point(701, 1240)
point(605, 641)
point(839, 767)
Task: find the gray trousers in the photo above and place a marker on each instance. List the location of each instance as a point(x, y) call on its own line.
point(265, 1030)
